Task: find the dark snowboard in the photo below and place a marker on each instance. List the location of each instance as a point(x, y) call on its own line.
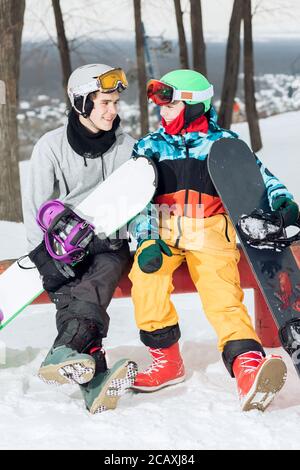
point(236, 175)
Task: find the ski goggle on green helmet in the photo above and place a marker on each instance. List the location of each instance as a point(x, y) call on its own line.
point(181, 85)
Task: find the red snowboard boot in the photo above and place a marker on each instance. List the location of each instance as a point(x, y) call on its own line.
point(166, 369)
point(258, 379)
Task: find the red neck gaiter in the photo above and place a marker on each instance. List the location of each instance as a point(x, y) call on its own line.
point(199, 125)
point(176, 126)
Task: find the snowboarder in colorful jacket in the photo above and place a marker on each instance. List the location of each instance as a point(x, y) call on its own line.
point(204, 238)
point(68, 163)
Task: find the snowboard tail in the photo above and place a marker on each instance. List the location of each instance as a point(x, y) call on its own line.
point(237, 178)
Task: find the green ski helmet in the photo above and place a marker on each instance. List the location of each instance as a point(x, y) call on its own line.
point(190, 81)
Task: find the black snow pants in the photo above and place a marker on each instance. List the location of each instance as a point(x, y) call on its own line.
point(82, 304)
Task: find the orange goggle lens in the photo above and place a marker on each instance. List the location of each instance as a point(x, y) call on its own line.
point(160, 93)
point(112, 79)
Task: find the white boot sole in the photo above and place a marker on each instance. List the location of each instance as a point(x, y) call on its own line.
point(120, 381)
point(269, 380)
point(158, 387)
point(69, 372)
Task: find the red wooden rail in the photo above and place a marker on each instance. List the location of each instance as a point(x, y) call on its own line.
point(264, 324)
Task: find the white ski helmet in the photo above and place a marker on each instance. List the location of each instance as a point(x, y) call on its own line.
point(88, 79)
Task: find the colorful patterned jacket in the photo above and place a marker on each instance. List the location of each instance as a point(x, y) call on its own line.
point(183, 178)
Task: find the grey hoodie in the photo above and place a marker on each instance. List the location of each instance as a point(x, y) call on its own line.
point(57, 171)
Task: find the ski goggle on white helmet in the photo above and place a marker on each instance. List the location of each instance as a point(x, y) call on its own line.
point(95, 77)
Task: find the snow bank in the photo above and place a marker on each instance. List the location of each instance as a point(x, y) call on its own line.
point(201, 413)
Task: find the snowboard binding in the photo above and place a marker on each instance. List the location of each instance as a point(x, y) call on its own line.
point(66, 234)
point(289, 336)
point(263, 230)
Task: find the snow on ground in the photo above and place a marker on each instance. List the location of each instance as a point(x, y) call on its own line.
point(201, 413)
point(280, 152)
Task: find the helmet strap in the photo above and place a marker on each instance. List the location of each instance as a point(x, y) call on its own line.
point(93, 124)
point(83, 111)
point(83, 105)
point(86, 109)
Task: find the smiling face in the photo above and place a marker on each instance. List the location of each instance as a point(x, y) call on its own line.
point(170, 111)
point(106, 106)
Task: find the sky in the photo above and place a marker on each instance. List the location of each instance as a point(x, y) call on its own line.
point(114, 19)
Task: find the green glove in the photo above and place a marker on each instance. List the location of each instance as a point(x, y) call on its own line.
point(150, 258)
point(288, 209)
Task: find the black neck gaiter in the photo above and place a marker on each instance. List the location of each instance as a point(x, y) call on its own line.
point(86, 143)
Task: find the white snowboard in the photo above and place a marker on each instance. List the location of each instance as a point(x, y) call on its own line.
point(124, 194)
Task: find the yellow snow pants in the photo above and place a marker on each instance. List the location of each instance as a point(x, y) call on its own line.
point(211, 256)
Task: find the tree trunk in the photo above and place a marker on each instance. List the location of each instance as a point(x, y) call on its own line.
point(250, 102)
point(183, 51)
point(231, 66)
point(63, 46)
point(11, 26)
point(142, 76)
point(198, 43)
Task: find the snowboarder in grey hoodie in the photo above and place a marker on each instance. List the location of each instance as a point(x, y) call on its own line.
point(68, 163)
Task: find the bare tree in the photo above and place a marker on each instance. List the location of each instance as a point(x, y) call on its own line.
point(142, 76)
point(11, 27)
point(183, 50)
point(250, 102)
point(231, 66)
point(198, 43)
point(63, 46)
